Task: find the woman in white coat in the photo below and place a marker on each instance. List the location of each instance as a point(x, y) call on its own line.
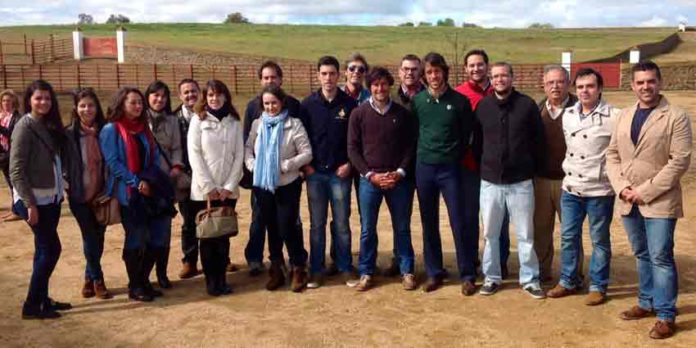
point(216, 154)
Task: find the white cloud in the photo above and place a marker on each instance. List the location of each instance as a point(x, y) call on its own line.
point(655, 21)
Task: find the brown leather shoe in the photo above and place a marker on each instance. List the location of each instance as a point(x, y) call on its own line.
point(88, 289)
point(468, 288)
point(432, 284)
point(663, 329)
point(101, 291)
point(636, 312)
point(595, 298)
point(559, 291)
point(232, 268)
point(299, 279)
point(188, 270)
point(277, 279)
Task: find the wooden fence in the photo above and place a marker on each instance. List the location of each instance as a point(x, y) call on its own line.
point(34, 51)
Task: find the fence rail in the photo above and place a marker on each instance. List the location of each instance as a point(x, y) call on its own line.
point(35, 51)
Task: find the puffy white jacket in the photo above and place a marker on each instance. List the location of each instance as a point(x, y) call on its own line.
point(216, 155)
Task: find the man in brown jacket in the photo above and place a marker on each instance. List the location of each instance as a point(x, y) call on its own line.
point(649, 152)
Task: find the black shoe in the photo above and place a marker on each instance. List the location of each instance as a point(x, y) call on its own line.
point(57, 306)
point(161, 262)
point(164, 282)
point(44, 314)
point(331, 271)
point(152, 291)
point(140, 295)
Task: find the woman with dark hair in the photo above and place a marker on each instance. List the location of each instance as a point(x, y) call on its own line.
point(165, 128)
point(277, 148)
point(85, 176)
point(216, 154)
point(131, 154)
point(9, 114)
point(35, 173)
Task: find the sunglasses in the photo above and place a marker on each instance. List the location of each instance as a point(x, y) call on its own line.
point(358, 68)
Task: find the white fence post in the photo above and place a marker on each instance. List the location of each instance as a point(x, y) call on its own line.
point(78, 50)
point(121, 44)
point(566, 60)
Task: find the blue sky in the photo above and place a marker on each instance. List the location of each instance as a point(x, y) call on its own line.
point(500, 13)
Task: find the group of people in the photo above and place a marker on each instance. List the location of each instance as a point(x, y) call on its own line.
point(487, 149)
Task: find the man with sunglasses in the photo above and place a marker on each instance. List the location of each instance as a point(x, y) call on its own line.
point(356, 68)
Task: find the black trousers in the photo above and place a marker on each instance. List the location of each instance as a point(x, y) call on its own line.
point(189, 242)
point(214, 251)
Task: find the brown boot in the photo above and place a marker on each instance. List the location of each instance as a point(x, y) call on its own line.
point(595, 298)
point(277, 278)
point(662, 329)
point(188, 270)
point(559, 291)
point(88, 289)
point(299, 279)
point(101, 291)
point(636, 312)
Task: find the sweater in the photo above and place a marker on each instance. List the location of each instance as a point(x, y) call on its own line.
point(555, 141)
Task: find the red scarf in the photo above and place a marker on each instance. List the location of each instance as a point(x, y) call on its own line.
point(128, 130)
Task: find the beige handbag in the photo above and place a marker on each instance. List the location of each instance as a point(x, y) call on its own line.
point(216, 222)
point(106, 210)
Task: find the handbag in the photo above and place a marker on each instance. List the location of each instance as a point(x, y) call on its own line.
point(182, 182)
point(216, 222)
point(106, 210)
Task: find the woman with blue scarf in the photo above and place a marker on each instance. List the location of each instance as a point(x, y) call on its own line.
point(277, 148)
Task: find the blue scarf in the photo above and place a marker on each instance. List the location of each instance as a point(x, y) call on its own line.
point(267, 166)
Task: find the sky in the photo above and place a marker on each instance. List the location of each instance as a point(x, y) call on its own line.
point(498, 13)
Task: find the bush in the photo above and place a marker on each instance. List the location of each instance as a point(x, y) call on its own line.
point(447, 22)
point(540, 26)
point(84, 18)
point(407, 24)
point(118, 19)
point(425, 24)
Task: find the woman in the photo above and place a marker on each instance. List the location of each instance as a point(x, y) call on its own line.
point(35, 173)
point(216, 154)
point(9, 114)
point(86, 181)
point(165, 127)
point(277, 148)
point(131, 154)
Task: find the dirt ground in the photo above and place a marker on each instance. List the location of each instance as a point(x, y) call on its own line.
point(334, 315)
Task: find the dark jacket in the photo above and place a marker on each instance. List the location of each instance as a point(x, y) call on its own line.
point(183, 131)
point(402, 98)
point(73, 166)
point(512, 146)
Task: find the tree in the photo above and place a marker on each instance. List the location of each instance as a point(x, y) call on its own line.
point(469, 25)
point(236, 17)
point(84, 18)
point(407, 24)
point(447, 22)
point(118, 19)
point(425, 24)
point(541, 26)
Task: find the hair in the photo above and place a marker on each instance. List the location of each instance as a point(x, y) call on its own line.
point(411, 56)
point(552, 67)
point(377, 73)
point(587, 72)
point(503, 64)
point(437, 60)
point(359, 58)
point(276, 91)
point(328, 60)
point(99, 119)
point(273, 65)
point(116, 110)
point(217, 87)
point(52, 119)
point(646, 65)
point(13, 97)
point(154, 87)
point(187, 80)
point(476, 52)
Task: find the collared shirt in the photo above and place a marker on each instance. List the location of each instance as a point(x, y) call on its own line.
point(374, 106)
point(555, 112)
point(187, 113)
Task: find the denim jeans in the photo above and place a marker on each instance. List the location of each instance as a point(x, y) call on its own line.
point(652, 241)
point(431, 180)
point(253, 252)
point(518, 200)
point(599, 212)
point(92, 239)
point(324, 189)
point(399, 201)
point(47, 250)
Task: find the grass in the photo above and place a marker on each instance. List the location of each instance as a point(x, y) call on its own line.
point(381, 45)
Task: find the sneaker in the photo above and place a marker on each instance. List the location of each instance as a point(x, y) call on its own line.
point(595, 298)
point(534, 290)
point(489, 288)
point(350, 279)
point(662, 329)
point(408, 282)
point(365, 283)
point(559, 291)
point(315, 281)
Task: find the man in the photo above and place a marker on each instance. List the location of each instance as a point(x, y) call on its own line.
point(511, 153)
point(356, 68)
point(547, 185)
point(650, 151)
point(381, 146)
point(410, 73)
point(325, 115)
point(476, 88)
point(269, 73)
point(445, 120)
point(587, 128)
point(189, 92)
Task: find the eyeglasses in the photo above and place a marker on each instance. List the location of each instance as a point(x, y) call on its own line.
point(359, 68)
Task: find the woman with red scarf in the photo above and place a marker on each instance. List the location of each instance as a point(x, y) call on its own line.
point(129, 150)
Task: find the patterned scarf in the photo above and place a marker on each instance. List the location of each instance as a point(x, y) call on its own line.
point(92, 175)
point(267, 166)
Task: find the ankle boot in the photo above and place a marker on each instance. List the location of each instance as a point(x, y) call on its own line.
point(88, 289)
point(101, 291)
point(162, 260)
point(299, 278)
point(134, 262)
point(148, 265)
point(277, 279)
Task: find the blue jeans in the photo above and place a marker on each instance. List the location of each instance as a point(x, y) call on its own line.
point(324, 188)
point(253, 252)
point(431, 180)
point(47, 250)
point(399, 200)
point(652, 241)
point(92, 239)
point(599, 212)
point(518, 200)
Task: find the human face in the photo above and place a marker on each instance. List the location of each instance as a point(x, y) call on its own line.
point(188, 93)
point(355, 72)
point(501, 79)
point(269, 76)
point(40, 102)
point(328, 77)
point(476, 68)
point(410, 73)
point(87, 111)
point(647, 87)
point(271, 104)
point(215, 100)
point(435, 77)
point(556, 86)
point(6, 104)
point(380, 90)
point(133, 106)
point(588, 90)
point(157, 100)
